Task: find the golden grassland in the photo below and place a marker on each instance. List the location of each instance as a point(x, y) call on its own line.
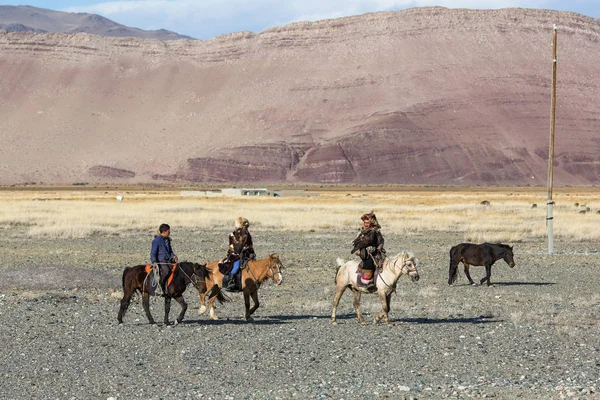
point(511, 215)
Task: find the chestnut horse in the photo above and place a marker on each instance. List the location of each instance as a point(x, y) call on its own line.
point(347, 276)
point(137, 279)
point(253, 274)
point(485, 254)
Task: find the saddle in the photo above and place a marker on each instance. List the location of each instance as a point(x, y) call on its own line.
point(368, 278)
point(153, 283)
point(226, 264)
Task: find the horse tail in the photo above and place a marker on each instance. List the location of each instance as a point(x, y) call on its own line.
point(339, 261)
point(454, 260)
point(222, 297)
point(125, 271)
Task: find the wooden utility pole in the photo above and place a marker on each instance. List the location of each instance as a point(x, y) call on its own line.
point(550, 202)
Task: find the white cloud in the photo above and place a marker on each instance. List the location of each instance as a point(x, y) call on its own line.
point(207, 18)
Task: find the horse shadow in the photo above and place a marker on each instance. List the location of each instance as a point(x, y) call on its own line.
point(458, 320)
point(233, 321)
point(428, 321)
point(496, 283)
point(524, 283)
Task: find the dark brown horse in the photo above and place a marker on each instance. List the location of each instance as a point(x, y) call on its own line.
point(138, 279)
point(484, 254)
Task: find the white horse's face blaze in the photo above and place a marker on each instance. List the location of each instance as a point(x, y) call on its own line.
point(276, 267)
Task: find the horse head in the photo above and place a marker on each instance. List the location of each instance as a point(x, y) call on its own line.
point(408, 265)
point(509, 256)
point(275, 267)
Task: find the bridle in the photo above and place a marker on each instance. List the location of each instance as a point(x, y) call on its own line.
point(279, 266)
point(395, 266)
point(194, 282)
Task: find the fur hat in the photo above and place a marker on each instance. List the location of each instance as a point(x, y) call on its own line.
point(239, 222)
point(371, 218)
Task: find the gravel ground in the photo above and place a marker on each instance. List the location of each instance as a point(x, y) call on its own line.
point(534, 334)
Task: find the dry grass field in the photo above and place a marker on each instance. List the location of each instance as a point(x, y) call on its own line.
point(513, 214)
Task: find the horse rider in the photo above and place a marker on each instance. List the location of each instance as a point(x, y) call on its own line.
point(240, 232)
point(368, 245)
point(162, 255)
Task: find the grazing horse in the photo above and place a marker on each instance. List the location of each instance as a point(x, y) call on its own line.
point(255, 272)
point(347, 276)
point(138, 279)
point(484, 254)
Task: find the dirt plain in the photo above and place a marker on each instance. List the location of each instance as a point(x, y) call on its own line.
point(534, 334)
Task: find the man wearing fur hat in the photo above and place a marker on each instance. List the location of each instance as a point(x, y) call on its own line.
point(240, 249)
point(368, 245)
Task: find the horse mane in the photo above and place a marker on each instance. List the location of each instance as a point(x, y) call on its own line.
point(408, 255)
point(504, 246)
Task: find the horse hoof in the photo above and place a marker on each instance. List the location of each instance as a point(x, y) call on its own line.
point(202, 310)
point(334, 323)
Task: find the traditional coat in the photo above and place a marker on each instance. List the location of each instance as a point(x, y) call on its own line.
point(369, 242)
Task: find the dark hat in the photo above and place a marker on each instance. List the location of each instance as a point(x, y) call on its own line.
point(370, 217)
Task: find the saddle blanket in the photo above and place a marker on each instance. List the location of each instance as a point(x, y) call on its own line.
point(173, 268)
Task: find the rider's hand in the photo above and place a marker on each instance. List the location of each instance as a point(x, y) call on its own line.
point(176, 259)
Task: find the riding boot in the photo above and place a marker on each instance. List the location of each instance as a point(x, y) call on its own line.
point(163, 287)
point(231, 283)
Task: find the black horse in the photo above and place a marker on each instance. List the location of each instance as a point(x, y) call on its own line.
point(484, 254)
point(138, 279)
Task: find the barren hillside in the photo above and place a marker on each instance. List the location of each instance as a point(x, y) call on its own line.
point(421, 96)
point(42, 20)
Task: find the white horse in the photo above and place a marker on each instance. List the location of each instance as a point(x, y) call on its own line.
point(393, 268)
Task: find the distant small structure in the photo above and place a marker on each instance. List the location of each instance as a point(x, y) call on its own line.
point(119, 197)
point(485, 203)
point(249, 192)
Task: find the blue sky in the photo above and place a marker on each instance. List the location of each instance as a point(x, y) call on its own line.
point(203, 19)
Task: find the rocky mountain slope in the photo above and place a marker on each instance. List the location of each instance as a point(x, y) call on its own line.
point(34, 19)
point(421, 96)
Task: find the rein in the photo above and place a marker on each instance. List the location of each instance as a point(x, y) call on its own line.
point(194, 282)
point(394, 263)
point(270, 267)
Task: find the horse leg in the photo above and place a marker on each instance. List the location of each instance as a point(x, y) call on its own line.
point(488, 274)
point(246, 305)
point(146, 305)
point(167, 309)
point(125, 301)
point(202, 308)
point(254, 295)
point(339, 291)
point(211, 304)
point(467, 273)
point(385, 309)
point(184, 307)
point(356, 303)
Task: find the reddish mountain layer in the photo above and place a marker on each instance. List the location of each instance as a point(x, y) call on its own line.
point(422, 96)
